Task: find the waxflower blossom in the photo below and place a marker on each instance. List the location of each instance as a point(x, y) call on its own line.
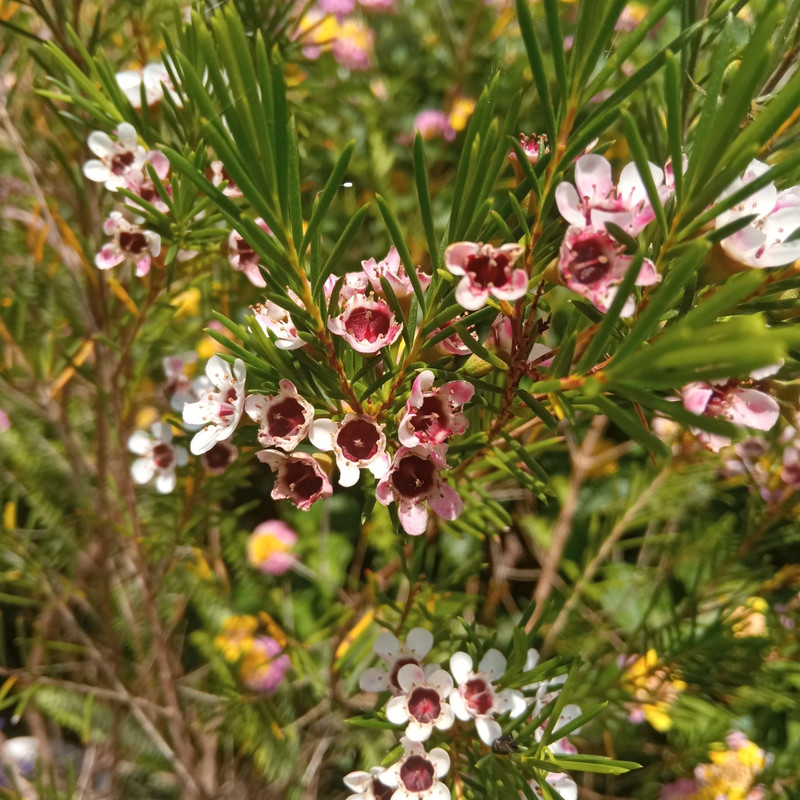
point(216, 460)
point(432, 415)
point(566, 787)
point(533, 146)
point(154, 77)
point(730, 401)
point(158, 457)
point(299, 478)
point(278, 321)
point(130, 242)
point(591, 264)
point(218, 411)
point(486, 270)
point(115, 160)
point(269, 545)
point(454, 345)
point(762, 243)
point(177, 370)
point(597, 200)
point(368, 785)
point(141, 184)
point(284, 419)
point(218, 175)
point(352, 283)
point(367, 324)
point(476, 697)
point(244, 258)
point(416, 775)
point(654, 688)
point(413, 480)
point(263, 666)
point(394, 271)
point(432, 124)
point(397, 655)
point(423, 705)
point(358, 442)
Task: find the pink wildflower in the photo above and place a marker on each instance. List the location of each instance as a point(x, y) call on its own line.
point(367, 324)
point(433, 124)
point(358, 442)
point(269, 545)
point(299, 478)
point(244, 258)
point(284, 419)
point(486, 270)
point(130, 242)
point(394, 271)
point(263, 666)
point(278, 321)
point(533, 146)
point(413, 480)
point(218, 175)
point(140, 182)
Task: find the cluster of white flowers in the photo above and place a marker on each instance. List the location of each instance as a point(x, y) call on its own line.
point(427, 697)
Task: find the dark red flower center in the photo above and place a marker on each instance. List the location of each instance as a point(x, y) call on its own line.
point(398, 665)
point(417, 774)
point(478, 696)
point(133, 242)
point(424, 705)
point(591, 263)
point(427, 422)
point(302, 479)
point(489, 270)
point(219, 456)
point(414, 476)
point(246, 252)
point(285, 417)
point(358, 439)
point(121, 161)
point(163, 455)
point(367, 324)
point(380, 790)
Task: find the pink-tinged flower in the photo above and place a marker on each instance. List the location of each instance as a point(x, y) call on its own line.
point(284, 419)
point(730, 401)
point(269, 546)
point(501, 336)
point(177, 369)
point(397, 655)
point(597, 200)
point(432, 124)
point(216, 460)
point(115, 160)
point(218, 411)
point(155, 79)
point(394, 271)
point(432, 415)
point(367, 324)
point(591, 263)
point(566, 787)
point(218, 175)
point(263, 667)
point(454, 345)
point(244, 259)
point(358, 443)
point(130, 242)
point(271, 317)
point(486, 270)
point(762, 243)
point(353, 44)
point(299, 478)
point(339, 7)
point(413, 480)
point(416, 775)
point(368, 785)
point(5, 421)
point(140, 182)
point(353, 283)
point(377, 5)
point(790, 467)
point(159, 457)
point(423, 705)
point(533, 146)
point(476, 697)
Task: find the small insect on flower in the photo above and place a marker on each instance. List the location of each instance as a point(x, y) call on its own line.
point(505, 745)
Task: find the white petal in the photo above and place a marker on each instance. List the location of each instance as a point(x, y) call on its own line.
point(568, 713)
point(459, 707)
point(358, 781)
point(531, 660)
point(161, 431)
point(419, 642)
point(438, 791)
point(440, 761)
point(322, 433)
point(411, 675)
point(517, 703)
point(96, 171)
point(487, 729)
point(568, 201)
point(165, 482)
point(387, 646)
point(418, 732)
point(380, 466)
point(181, 456)
point(446, 718)
point(397, 710)
point(349, 473)
point(442, 681)
point(460, 667)
point(493, 664)
point(373, 680)
point(142, 470)
point(593, 176)
point(100, 144)
point(140, 442)
point(206, 438)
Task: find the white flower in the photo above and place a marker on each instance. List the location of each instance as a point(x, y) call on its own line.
point(396, 655)
point(271, 317)
point(422, 704)
point(115, 161)
point(219, 412)
point(130, 242)
point(179, 385)
point(476, 698)
point(416, 775)
point(159, 457)
point(762, 243)
point(154, 77)
point(368, 785)
point(563, 784)
point(284, 419)
point(358, 442)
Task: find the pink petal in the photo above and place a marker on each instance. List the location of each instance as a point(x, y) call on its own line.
point(568, 204)
point(413, 518)
point(448, 504)
point(593, 176)
point(754, 409)
point(455, 256)
point(470, 297)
